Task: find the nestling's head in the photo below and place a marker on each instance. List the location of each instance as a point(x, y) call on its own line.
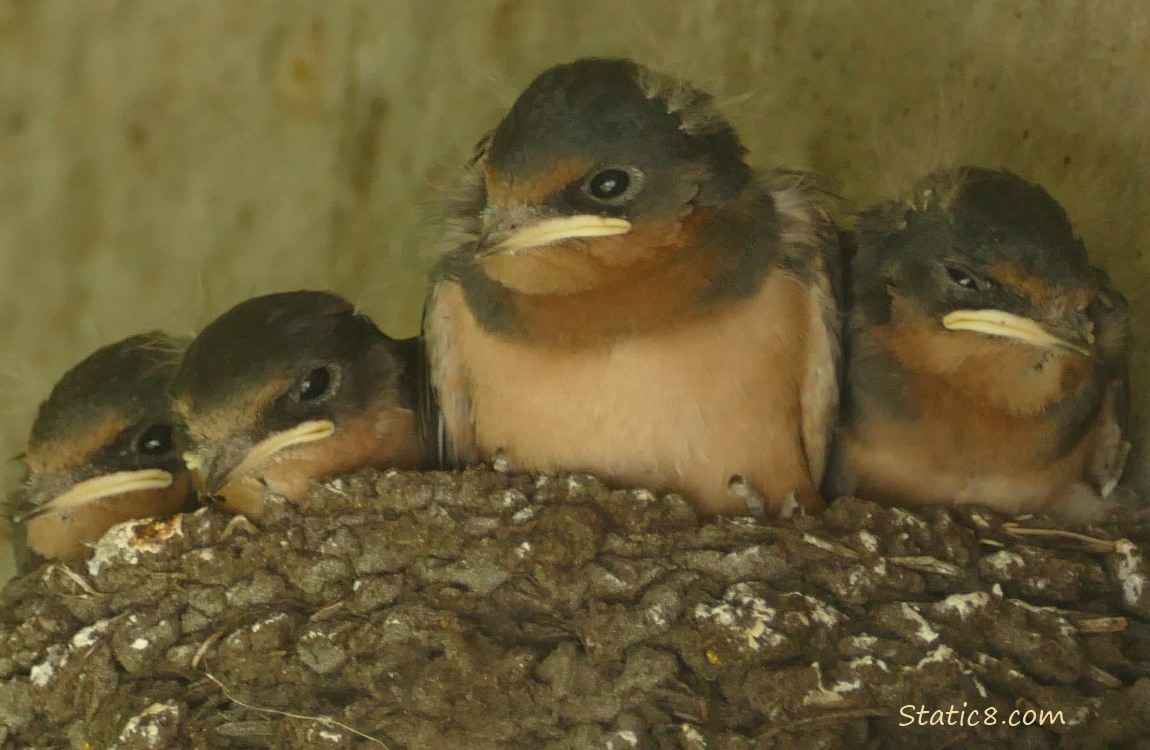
point(595, 170)
point(982, 267)
point(103, 447)
point(289, 388)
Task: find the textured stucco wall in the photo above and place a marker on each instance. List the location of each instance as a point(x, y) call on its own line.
point(162, 159)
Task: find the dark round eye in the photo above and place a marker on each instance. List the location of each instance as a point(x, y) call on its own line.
point(157, 440)
point(963, 278)
point(315, 385)
point(608, 184)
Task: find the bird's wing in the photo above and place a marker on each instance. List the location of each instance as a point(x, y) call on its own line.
point(447, 401)
point(809, 235)
point(447, 412)
point(1112, 445)
point(822, 376)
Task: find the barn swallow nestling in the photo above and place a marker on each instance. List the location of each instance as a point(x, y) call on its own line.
point(287, 389)
point(621, 294)
point(102, 449)
point(987, 358)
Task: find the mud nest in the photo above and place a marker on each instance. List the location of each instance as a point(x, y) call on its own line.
point(485, 610)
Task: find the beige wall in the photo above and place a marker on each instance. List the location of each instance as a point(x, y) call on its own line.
point(162, 159)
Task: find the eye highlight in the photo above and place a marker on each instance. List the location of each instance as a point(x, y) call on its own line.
point(317, 385)
point(157, 440)
point(966, 278)
point(613, 185)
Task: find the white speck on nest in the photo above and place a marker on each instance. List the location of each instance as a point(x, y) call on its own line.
point(1081, 713)
point(145, 724)
point(656, 615)
point(523, 549)
point(614, 580)
point(644, 496)
point(855, 576)
point(337, 484)
point(982, 691)
point(1131, 572)
point(140, 644)
point(823, 613)
point(867, 661)
point(541, 481)
point(1034, 608)
point(577, 482)
point(823, 696)
point(996, 591)
point(260, 625)
point(939, 655)
point(1004, 560)
point(623, 735)
point(330, 736)
point(1064, 625)
point(512, 498)
point(524, 515)
point(739, 557)
point(863, 642)
point(925, 632)
point(964, 667)
point(121, 543)
point(691, 734)
point(741, 593)
point(990, 662)
point(902, 518)
point(814, 541)
point(964, 605)
point(869, 541)
point(88, 636)
point(41, 674)
point(827, 696)
point(741, 606)
point(721, 614)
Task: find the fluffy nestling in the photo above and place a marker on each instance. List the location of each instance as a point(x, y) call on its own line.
point(620, 293)
point(988, 358)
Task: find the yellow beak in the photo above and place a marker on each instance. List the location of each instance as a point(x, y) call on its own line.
point(98, 488)
point(561, 229)
point(1008, 325)
point(211, 474)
